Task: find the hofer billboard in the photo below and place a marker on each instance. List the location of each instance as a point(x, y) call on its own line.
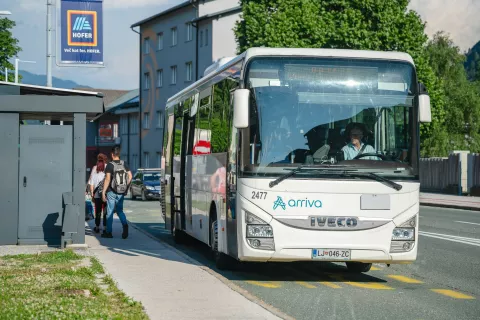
point(81, 26)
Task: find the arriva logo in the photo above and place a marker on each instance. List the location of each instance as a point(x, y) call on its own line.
point(292, 203)
point(81, 24)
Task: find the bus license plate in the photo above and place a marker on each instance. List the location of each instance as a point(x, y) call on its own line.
point(331, 254)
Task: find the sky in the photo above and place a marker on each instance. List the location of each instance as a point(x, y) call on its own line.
point(458, 18)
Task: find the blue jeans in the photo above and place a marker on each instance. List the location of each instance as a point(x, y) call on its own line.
point(113, 200)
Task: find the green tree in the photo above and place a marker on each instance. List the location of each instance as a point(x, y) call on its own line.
point(386, 25)
point(9, 47)
point(462, 98)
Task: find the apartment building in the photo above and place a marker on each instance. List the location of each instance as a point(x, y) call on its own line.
point(176, 46)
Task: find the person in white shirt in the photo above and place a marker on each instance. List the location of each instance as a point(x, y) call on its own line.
point(356, 145)
point(95, 183)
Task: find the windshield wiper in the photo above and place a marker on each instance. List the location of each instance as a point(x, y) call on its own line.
point(334, 170)
point(376, 177)
point(305, 167)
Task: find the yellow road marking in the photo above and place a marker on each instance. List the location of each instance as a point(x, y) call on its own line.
point(375, 269)
point(263, 284)
point(330, 284)
point(404, 279)
point(364, 285)
point(305, 284)
point(453, 294)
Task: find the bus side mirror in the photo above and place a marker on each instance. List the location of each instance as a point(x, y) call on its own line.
point(425, 111)
point(241, 108)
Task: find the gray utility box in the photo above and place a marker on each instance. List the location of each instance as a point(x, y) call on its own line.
point(42, 191)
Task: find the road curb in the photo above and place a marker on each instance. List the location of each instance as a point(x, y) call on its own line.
point(224, 280)
point(449, 206)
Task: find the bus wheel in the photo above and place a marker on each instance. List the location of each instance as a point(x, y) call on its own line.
point(358, 267)
point(222, 261)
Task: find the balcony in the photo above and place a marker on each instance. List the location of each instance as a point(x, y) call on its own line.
point(107, 142)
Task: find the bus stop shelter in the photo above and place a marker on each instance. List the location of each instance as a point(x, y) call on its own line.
point(42, 190)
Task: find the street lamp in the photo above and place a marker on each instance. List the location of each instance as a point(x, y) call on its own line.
point(16, 67)
point(5, 13)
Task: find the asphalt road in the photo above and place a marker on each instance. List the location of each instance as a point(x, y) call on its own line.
point(444, 283)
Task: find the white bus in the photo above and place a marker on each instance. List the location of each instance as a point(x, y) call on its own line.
point(306, 155)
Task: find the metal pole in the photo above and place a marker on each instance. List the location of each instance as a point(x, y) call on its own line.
point(16, 70)
point(6, 74)
point(49, 43)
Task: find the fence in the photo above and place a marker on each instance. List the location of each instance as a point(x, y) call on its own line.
point(474, 174)
point(458, 173)
point(440, 174)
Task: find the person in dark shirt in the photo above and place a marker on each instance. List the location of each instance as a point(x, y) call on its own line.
point(115, 180)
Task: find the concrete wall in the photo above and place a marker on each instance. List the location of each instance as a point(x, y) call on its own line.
point(223, 29)
point(214, 6)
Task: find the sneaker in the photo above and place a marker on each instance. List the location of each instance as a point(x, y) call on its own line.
point(107, 235)
point(96, 229)
point(125, 231)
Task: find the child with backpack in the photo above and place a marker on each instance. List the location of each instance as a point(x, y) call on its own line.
point(117, 181)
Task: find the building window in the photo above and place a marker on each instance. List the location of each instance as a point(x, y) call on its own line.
point(189, 71)
point(146, 45)
point(146, 120)
point(159, 119)
point(160, 78)
point(206, 37)
point(159, 160)
point(146, 160)
point(160, 41)
point(147, 81)
point(134, 124)
point(174, 37)
point(115, 130)
point(189, 32)
point(201, 38)
point(174, 74)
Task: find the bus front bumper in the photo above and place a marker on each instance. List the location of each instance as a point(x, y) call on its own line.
point(292, 244)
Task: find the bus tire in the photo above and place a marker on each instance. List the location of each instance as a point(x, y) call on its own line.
point(358, 267)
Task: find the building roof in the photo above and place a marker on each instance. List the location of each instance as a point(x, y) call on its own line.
point(131, 97)
point(48, 103)
point(163, 13)
point(109, 95)
point(219, 14)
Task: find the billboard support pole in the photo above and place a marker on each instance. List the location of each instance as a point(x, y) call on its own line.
point(49, 42)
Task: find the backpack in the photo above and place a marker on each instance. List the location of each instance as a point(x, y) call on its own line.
point(119, 178)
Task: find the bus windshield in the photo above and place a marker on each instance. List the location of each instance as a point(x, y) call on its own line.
point(345, 113)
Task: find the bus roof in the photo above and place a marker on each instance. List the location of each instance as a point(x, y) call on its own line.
point(300, 52)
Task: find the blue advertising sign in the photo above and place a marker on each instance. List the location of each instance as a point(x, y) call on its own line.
point(81, 32)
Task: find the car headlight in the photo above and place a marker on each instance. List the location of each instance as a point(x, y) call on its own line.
point(149, 188)
point(403, 234)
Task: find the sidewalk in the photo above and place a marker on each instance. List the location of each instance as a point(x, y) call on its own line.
point(167, 283)
point(450, 201)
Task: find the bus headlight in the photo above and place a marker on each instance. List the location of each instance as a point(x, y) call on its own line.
point(403, 234)
point(259, 233)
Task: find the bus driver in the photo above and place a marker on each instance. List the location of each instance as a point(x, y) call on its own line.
point(356, 145)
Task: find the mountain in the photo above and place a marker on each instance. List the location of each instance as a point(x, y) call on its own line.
point(472, 64)
point(41, 80)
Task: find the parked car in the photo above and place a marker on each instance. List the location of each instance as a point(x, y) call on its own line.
point(146, 184)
